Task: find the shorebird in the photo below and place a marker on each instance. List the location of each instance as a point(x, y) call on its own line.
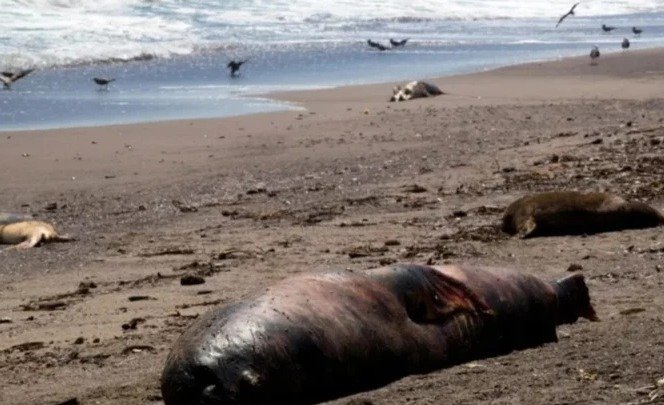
point(102, 81)
point(376, 45)
point(625, 43)
point(594, 55)
point(606, 28)
point(637, 31)
point(397, 44)
point(569, 13)
point(7, 78)
point(234, 66)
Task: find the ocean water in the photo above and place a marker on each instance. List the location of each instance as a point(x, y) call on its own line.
point(169, 56)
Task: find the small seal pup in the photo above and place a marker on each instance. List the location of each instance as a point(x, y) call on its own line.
point(415, 90)
point(27, 234)
point(576, 213)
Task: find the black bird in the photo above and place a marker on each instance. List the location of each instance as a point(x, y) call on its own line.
point(637, 31)
point(625, 43)
point(234, 66)
point(606, 28)
point(397, 44)
point(7, 78)
point(376, 45)
point(569, 13)
point(594, 55)
point(102, 81)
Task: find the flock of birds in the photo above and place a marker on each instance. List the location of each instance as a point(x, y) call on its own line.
point(394, 44)
point(7, 78)
point(594, 52)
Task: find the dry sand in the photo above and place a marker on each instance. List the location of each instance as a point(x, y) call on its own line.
point(247, 201)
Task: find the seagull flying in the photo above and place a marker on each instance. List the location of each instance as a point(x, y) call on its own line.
point(7, 78)
point(102, 81)
point(569, 13)
point(397, 44)
point(234, 66)
point(377, 45)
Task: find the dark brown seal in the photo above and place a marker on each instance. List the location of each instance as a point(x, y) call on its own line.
point(324, 335)
point(575, 213)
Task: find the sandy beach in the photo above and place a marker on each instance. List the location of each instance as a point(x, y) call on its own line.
point(250, 200)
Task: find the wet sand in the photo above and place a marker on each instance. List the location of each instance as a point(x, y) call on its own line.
point(247, 201)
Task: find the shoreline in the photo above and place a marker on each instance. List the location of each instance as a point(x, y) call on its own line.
point(279, 101)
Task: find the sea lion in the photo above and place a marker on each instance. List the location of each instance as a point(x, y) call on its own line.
point(27, 234)
point(320, 336)
point(576, 213)
point(413, 90)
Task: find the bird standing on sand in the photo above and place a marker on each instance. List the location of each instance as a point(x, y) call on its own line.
point(7, 78)
point(234, 66)
point(397, 44)
point(377, 45)
point(637, 31)
point(606, 28)
point(594, 55)
point(569, 13)
point(103, 82)
point(625, 43)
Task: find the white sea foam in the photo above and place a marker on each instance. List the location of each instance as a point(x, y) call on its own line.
point(55, 32)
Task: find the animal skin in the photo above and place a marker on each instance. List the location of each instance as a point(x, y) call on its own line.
point(320, 336)
point(28, 234)
point(415, 90)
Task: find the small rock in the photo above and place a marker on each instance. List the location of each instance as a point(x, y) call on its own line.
point(597, 141)
point(392, 242)
point(132, 324)
point(70, 401)
point(459, 214)
point(660, 382)
point(630, 311)
point(140, 298)
point(5, 320)
point(575, 267)
point(414, 188)
point(191, 279)
point(51, 206)
point(79, 341)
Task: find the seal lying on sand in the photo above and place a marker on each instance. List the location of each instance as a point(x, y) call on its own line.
point(27, 234)
point(415, 90)
point(320, 336)
point(575, 213)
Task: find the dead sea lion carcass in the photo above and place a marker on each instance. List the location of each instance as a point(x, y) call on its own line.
point(27, 234)
point(576, 213)
point(320, 336)
point(415, 90)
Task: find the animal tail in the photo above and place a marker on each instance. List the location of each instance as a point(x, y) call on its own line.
point(573, 300)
